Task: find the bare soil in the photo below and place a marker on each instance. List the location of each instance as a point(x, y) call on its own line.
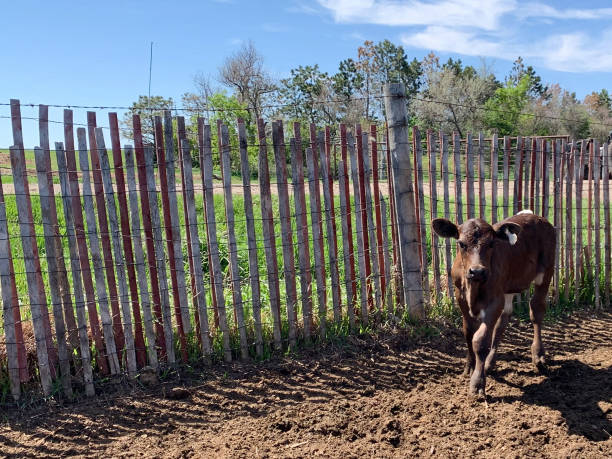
point(393, 395)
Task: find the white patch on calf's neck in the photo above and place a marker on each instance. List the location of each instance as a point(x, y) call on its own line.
point(511, 237)
point(508, 303)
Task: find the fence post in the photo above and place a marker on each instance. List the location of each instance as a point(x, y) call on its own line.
point(395, 104)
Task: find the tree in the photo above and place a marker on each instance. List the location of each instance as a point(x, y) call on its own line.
point(245, 74)
point(504, 111)
point(148, 108)
point(536, 88)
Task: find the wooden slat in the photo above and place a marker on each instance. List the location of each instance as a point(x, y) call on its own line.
point(145, 299)
point(18, 142)
point(231, 240)
point(534, 167)
point(62, 274)
point(94, 246)
point(46, 204)
point(164, 147)
point(113, 220)
point(568, 214)
point(145, 206)
point(527, 164)
point(359, 230)
point(556, 160)
point(397, 270)
point(457, 178)
point(251, 237)
point(607, 229)
point(516, 201)
point(280, 159)
point(447, 245)
point(321, 241)
point(386, 256)
point(506, 177)
point(38, 300)
point(482, 199)
point(77, 286)
point(160, 256)
point(545, 180)
point(8, 307)
point(104, 232)
point(578, 172)
point(346, 237)
point(348, 217)
point(361, 212)
point(301, 211)
point(590, 161)
point(596, 172)
point(537, 174)
point(433, 211)
point(269, 238)
point(494, 162)
point(469, 177)
point(371, 226)
point(395, 105)
point(126, 233)
point(332, 211)
point(418, 169)
point(379, 227)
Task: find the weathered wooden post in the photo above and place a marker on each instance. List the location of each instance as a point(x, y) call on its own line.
point(395, 105)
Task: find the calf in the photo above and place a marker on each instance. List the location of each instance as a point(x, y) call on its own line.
point(494, 263)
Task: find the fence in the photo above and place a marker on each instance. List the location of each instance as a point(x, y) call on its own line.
point(130, 259)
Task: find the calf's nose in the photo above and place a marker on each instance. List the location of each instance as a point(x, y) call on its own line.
point(477, 273)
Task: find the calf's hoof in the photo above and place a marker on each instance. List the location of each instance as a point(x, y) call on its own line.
point(539, 362)
point(468, 370)
point(490, 363)
point(477, 387)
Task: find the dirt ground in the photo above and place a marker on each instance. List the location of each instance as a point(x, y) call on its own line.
point(387, 396)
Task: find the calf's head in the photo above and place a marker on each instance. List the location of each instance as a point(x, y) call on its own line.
point(476, 241)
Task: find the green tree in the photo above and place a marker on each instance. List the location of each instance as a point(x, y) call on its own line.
point(147, 108)
point(519, 70)
point(503, 111)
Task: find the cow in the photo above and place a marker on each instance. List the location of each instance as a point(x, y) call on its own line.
point(494, 263)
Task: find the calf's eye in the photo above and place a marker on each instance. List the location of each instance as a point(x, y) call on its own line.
point(462, 245)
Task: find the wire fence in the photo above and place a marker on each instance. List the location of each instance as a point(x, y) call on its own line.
point(116, 259)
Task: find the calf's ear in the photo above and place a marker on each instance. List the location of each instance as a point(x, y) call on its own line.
point(509, 231)
point(445, 228)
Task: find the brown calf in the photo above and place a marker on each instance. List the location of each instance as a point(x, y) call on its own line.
point(494, 263)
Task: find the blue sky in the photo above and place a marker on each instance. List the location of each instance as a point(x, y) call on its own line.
point(96, 53)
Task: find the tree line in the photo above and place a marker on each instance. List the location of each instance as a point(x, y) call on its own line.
point(449, 96)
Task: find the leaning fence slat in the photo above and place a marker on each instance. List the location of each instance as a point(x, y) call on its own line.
point(94, 246)
point(433, 211)
point(145, 301)
point(36, 293)
point(143, 187)
point(361, 212)
point(596, 221)
point(578, 173)
point(127, 239)
point(372, 227)
point(349, 219)
point(232, 245)
point(77, 286)
point(506, 177)
point(104, 232)
point(359, 230)
point(379, 229)
point(346, 236)
point(494, 164)
point(113, 220)
point(386, 256)
point(52, 264)
point(458, 184)
point(165, 168)
point(332, 211)
point(448, 259)
point(418, 168)
point(482, 199)
point(395, 104)
point(8, 307)
point(607, 229)
point(280, 159)
point(469, 177)
point(317, 181)
point(251, 237)
point(159, 255)
point(269, 238)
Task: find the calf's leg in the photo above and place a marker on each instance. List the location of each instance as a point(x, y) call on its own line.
point(470, 326)
point(537, 308)
point(498, 332)
point(481, 344)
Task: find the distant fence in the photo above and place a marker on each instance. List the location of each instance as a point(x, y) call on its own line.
point(131, 259)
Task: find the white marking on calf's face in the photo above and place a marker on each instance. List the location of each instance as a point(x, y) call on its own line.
point(511, 237)
point(508, 303)
point(539, 279)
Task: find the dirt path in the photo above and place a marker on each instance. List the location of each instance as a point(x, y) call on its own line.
point(391, 396)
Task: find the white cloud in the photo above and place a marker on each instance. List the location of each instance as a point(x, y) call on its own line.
point(500, 29)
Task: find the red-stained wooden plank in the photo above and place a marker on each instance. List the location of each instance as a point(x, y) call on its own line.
point(348, 217)
point(361, 213)
point(379, 227)
point(317, 197)
point(146, 222)
point(332, 210)
point(141, 353)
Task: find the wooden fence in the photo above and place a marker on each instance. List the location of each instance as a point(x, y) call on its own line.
point(132, 259)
